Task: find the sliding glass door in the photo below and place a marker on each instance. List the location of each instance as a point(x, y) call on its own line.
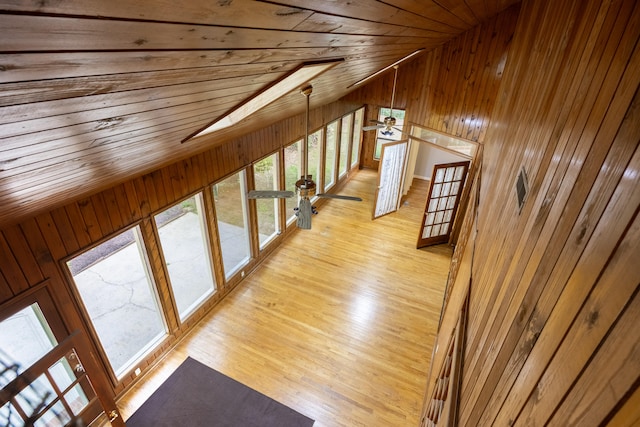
point(265, 178)
point(119, 296)
point(345, 143)
point(185, 245)
point(233, 231)
point(331, 155)
point(357, 137)
point(315, 156)
point(292, 171)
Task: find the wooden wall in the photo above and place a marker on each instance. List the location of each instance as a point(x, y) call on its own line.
point(554, 307)
point(461, 78)
point(555, 92)
point(452, 88)
point(553, 335)
point(34, 250)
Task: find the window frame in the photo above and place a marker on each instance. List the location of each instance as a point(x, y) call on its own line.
point(327, 185)
point(382, 113)
point(290, 218)
point(244, 186)
point(148, 350)
point(346, 135)
point(278, 204)
point(208, 252)
point(356, 138)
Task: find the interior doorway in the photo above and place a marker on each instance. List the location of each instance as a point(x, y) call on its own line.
point(419, 157)
point(429, 148)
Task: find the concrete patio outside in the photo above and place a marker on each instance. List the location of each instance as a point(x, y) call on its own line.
point(124, 307)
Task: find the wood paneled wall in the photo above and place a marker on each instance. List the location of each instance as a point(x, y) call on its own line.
point(553, 334)
point(554, 306)
point(452, 89)
point(34, 250)
point(461, 79)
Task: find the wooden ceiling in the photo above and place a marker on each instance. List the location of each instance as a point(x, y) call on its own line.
point(95, 92)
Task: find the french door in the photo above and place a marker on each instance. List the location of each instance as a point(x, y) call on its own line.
point(392, 164)
point(48, 376)
point(444, 196)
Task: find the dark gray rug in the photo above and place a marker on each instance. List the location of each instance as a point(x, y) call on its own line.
point(196, 395)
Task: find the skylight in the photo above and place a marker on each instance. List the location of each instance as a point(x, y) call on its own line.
point(359, 82)
point(294, 80)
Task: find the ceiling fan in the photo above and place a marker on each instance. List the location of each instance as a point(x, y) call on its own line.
point(305, 187)
point(389, 122)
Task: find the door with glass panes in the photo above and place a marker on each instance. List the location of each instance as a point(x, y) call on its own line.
point(390, 172)
point(445, 190)
point(49, 376)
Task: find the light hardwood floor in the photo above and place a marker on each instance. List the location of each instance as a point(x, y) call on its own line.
point(337, 324)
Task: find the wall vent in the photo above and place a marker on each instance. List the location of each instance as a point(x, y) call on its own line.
point(522, 188)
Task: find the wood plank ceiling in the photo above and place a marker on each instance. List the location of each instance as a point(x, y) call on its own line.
point(96, 92)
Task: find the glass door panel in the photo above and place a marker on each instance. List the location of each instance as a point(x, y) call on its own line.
point(57, 396)
point(315, 149)
point(292, 171)
point(330, 155)
point(233, 230)
point(119, 296)
point(357, 137)
point(185, 246)
point(265, 177)
point(447, 183)
point(43, 381)
point(24, 338)
point(390, 173)
point(345, 139)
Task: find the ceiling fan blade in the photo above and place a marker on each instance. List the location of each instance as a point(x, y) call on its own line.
point(373, 127)
point(338, 196)
point(376, 121)
point(268, 194)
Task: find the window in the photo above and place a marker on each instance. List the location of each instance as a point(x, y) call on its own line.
point(384, 135)
point(345, 139)
point(292, 158)
point(330, 157)
point(295, 78)
point(357, 137)
point(265, 177)
point(231, 213)
point(315, 150)
point(119, 296)
point(185, 246)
